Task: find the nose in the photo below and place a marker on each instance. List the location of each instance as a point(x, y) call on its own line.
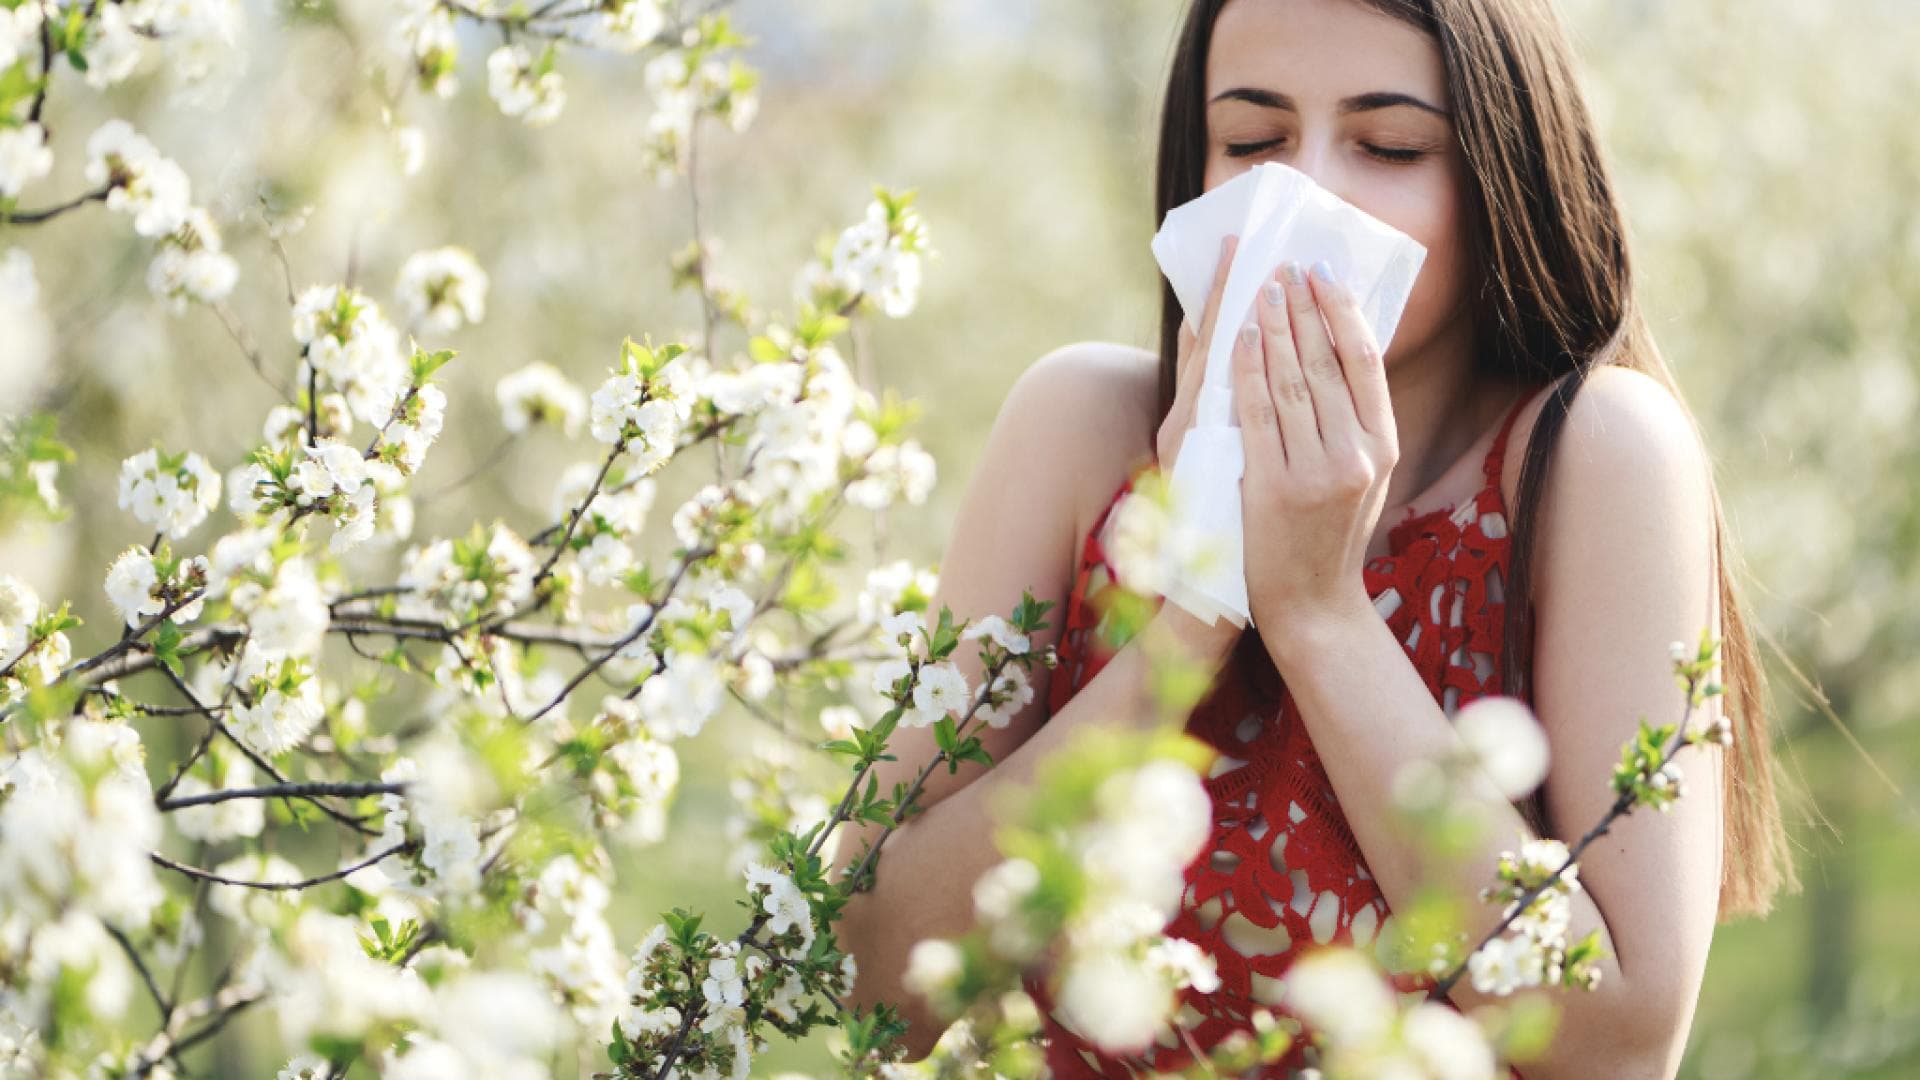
point(1315, 158)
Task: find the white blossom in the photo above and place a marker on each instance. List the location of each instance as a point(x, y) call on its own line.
point(1185, 963)
point(522, 86)
point(171, 494)
point(113, 50)
point(1002, 633)
point(877, 258)
point(932, 966)
point(894, 472)
point(536, 393)
point(443, 289)
point(605, 559)
point(888, 673)
point(19, 33)
point(324, 984)
point(999, 891)
point(425, 35)
point(279, 704)
point(1506, 742)
point(1448, 1045)
point(678, 700)
point(840, 721)
point(134, 586)
point(1012, 690)
point(1506, 964)
point(19, 607)
point(76, 825)
point(350, 344)
point(1339, 993)
point(24, 156)
point(1117, 1003)
point(888, 585)
point(628, 25)
point(940, 690)
point(141, 182)
point(190, 265)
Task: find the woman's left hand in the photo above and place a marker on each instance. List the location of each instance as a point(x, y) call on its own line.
point(1320, 445)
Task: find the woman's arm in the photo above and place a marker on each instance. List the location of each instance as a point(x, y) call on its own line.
point(1626, 567)
point(1057, 450)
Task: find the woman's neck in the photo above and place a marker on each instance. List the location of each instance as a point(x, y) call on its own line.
point(1441, 408)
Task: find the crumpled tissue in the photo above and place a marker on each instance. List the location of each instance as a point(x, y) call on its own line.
point(1280, 214)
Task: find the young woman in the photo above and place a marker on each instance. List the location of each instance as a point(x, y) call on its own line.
point(1387, 586)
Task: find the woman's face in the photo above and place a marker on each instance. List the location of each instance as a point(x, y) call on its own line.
point(1358, 101)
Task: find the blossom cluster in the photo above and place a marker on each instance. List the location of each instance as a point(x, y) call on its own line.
point(874, 262)
point(1115, 838)
point(154, 190)
point(34, 649)
point(1361, 1028)
point(1537, 885)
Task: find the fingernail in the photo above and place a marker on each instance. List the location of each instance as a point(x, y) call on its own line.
point(1295, 274)
point(1323, 271)
point(1249, 335)
point(1274, 293)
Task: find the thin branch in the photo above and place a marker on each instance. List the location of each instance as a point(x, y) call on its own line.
point(237, 330)
point(35, 217)
point(578, 512)
point(221, 1005)
point(1623, 804)
point(146, 975)
point(632, 636)
point(260, 762)
point(279, 791)
point(275, 886)
point(131, 639)
point(484, 467)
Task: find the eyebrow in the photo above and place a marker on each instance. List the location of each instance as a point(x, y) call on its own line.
point(1379, 99)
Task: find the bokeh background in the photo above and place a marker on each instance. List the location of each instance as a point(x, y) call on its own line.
point(1769, 165)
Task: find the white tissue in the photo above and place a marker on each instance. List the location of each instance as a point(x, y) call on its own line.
point(1279, 214)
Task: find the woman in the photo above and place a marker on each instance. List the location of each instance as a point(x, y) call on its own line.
point(1386, 585)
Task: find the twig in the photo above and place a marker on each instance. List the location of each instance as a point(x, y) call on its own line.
point(146, 975)
point(278, 791)
point(35, 217)
point(260, 762)
point(132, 639)
point(1623, 804)
point(275, 886)
point(485, 466)
point(631, 636)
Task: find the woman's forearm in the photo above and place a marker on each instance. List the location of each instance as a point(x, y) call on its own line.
point(1370, 715)
point(923, 886)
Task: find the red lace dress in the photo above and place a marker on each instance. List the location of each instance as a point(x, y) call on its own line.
point(1281, 871)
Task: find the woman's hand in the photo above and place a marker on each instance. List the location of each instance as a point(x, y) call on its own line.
point(1320, 445)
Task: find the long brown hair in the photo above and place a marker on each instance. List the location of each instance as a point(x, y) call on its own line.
point(1549, 245)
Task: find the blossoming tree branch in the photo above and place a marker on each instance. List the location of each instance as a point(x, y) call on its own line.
point(408, 765)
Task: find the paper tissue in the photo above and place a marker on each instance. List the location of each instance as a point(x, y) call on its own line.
point(1280, 215)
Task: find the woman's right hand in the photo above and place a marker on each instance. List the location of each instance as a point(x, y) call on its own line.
point(1206, 644)
point(1190, 364)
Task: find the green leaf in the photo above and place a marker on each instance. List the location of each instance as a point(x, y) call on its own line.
point(166, 645)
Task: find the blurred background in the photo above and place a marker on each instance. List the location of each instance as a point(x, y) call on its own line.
point(1770, 169)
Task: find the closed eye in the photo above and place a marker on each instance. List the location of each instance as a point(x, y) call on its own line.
point(1400, 155)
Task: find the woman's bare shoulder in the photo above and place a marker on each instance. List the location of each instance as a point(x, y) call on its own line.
point(1617, 408)
point(1094, 409)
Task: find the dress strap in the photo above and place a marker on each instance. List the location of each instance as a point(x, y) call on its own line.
point(1498, 453)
